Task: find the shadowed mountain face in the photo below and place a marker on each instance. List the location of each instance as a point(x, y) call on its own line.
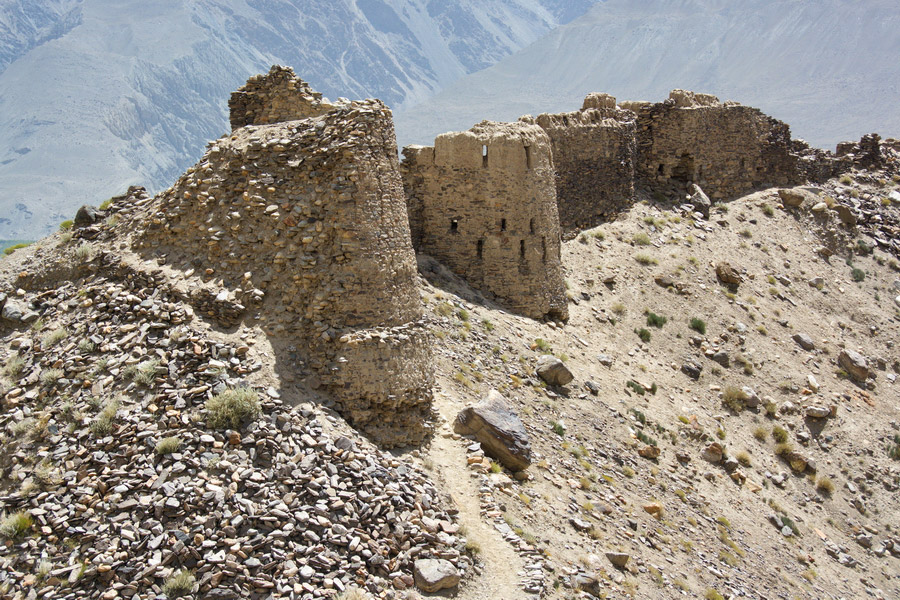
point(828, 68)
point(99, 94)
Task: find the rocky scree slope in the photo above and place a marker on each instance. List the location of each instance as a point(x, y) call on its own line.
point(146, 453)
point(713, 442)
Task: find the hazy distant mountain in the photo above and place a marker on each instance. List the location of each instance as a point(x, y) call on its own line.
point(99, 94)
point(829, 68)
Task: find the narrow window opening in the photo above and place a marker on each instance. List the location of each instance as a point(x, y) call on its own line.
point(480, 248)
point(528, 157)
point(522, 248)
point(543, 249)
point(454, 224)
point(531, 226)
point(661, 169)
point(502, 224)
point(484, 157)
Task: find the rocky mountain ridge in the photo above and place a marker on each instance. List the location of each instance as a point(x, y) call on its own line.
point(129, 92)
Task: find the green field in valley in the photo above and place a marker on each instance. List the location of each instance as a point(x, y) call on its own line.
point(5, 244)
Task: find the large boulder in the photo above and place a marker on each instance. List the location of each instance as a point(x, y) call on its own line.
point(700, 200)
point(88, 215)
point(498, 429)
point(435, 574)
point(804, 341)
point(553, 371)
point(855, 364)
point(797, 196)
point(727, 274)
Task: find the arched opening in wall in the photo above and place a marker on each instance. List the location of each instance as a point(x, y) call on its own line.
point(484, 157)
point(479, 250)
point(543, 249)
point(684, 170)
point(528, 157)
point(502, 224)
point(521, 248)
point(531, 226)
point(454, 225)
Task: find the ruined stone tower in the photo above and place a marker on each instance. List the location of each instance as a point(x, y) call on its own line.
point(483, 202)
point(594, 151)
point(300, 217)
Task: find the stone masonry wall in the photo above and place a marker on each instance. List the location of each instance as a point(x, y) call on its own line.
point(483, 202)
point(305, 222)
point(594, 152)
point(727, 149)
point(275, 97)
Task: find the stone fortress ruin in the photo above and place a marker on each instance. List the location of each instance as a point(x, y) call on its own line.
point(303, 221)
point(483, 202)
point(301, 210)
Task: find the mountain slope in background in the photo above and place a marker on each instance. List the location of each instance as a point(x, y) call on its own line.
point(828, 68)
point(99, 94)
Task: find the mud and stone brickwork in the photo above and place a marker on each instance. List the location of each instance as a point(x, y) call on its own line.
point(725, 148)
point(483, 202)
point(594, 152)
point(275, 97)
point(304, 224)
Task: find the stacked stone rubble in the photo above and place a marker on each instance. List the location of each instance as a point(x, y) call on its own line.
point(305, 222)
point(594, 152)
point(483, 202)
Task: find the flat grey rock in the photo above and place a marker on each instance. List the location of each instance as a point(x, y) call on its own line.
point(499, 430)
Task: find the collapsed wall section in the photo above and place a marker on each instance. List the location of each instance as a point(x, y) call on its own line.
point(594, 152)
point(275, 97)
point(308, 217)
point(483, 202)
point(727, 149)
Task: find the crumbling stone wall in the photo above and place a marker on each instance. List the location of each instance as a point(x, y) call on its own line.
point(594, 152)
point(275, 97)
point(304, 222)
point(727, 149)
point(483, 202)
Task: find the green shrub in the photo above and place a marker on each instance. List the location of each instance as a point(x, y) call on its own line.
point(102, 424)
point(51, 338)
point(179, 584)
point(232, 407)
point(15, 525)
point(645, 259)
point(85, 252)
point(558, 428)
point(779, 434)
point(66, 225)
point(858, 274)
point(14, 366)
point(641, 239)
point(49, 377)
point(644, 334)
point(168, 445)
point(698, 325)
point(655, 320)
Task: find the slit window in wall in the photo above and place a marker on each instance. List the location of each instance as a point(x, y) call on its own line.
point(531, 226)
point(522, 248)
point(480, 248)
point(484, 157)
point(661, 170)
point(543, 249)
point(454, 224)
point(528, 157)
point(502, 224)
